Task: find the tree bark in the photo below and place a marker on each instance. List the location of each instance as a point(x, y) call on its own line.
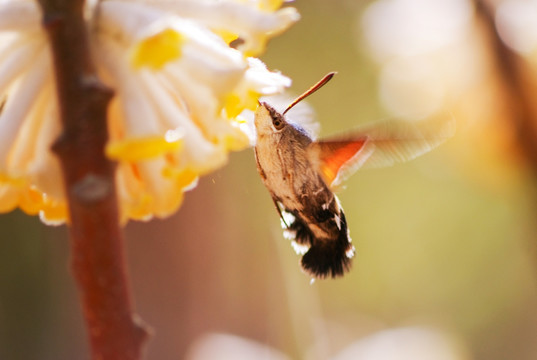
point(97, 244)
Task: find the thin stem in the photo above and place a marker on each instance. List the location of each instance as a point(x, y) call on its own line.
point(97, 244)
point(519, 91)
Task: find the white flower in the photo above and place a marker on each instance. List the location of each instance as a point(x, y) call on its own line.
point(179, 88)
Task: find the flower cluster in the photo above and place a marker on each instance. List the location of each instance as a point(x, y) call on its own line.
point(182, 72)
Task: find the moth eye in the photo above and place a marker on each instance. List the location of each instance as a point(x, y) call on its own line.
point(278, 123)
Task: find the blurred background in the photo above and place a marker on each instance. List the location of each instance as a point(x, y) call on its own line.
point(446, 257)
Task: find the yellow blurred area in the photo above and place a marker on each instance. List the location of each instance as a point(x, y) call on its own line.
point(445, 259)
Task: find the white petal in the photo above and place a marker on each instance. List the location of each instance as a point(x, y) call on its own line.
point(140, 119)
point(249, 22)
point(19, 103)
point(19, 16)
point(16, 57)
point(44, 170)
point(263, 81)
point(199, 153)
point(23, 148)
point(123, 21)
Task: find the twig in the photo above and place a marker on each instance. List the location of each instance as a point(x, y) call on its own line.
point(97, 245)
point(519, 94)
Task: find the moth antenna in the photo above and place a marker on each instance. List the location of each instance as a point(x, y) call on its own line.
point(311, 90)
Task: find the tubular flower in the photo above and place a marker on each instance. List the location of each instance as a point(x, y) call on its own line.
point(181, 73)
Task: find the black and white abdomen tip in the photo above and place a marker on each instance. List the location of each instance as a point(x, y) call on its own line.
point(322, 257)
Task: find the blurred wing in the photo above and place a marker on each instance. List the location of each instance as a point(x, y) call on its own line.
point(335, 157)
point(386, 143)
point(400, 141)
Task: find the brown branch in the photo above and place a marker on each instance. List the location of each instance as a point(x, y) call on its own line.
point(97, 245)
point(519, 91)
point(518, 88)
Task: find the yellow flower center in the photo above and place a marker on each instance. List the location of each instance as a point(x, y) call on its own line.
point(226, 35)
point(270, 5)
point(235, 104)
point(142, 149)
point(157, 50)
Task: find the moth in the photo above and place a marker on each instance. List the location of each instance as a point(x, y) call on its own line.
point(301, 175)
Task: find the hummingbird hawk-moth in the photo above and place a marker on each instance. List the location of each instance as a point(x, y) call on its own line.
point(301, 174)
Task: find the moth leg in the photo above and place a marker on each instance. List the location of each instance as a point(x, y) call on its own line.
point(277, 205)
point(259, 168)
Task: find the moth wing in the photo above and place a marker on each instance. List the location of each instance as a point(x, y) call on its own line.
point(338, 158)
point(377, 145)
point(399, 141)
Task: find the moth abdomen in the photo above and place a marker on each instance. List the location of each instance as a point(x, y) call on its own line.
point(299, 232)
point(325, 256)
point(330, 257)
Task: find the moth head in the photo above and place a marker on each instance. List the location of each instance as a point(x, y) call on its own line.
point(268, 120)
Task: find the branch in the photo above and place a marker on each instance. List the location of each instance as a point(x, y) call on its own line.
point(519, 91)
point(97, 245)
